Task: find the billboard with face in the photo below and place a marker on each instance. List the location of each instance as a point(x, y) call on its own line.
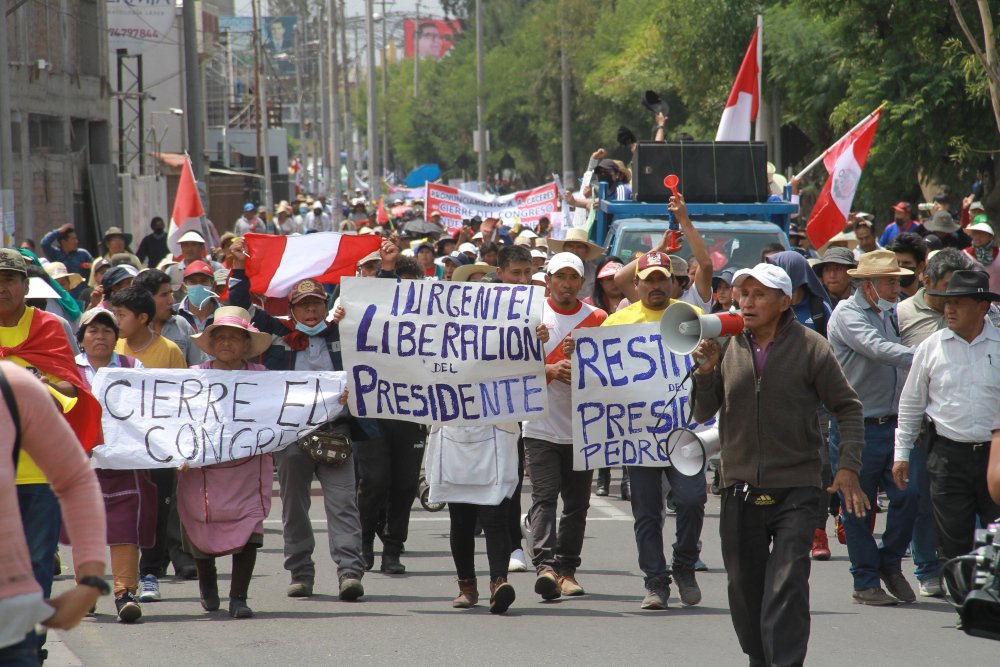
point(429, 38)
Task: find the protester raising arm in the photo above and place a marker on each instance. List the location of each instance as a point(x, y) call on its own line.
point(699, 249)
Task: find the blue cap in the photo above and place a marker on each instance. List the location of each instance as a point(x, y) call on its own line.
point(248, 207)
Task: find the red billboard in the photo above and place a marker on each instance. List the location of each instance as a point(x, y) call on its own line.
point(430, 38)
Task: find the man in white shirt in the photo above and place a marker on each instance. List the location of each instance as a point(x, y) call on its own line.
point(955, 380)
point(547, 442)
point(317, 220)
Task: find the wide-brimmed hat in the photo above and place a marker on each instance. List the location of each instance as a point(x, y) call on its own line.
point(117, 231)
point(237, 318)
point(880, 263)
point(941, 222)
point(577, 235)
point(968, 283)
point(57, 270)
point(834, 255)
point(462, 273)
point(39, 289)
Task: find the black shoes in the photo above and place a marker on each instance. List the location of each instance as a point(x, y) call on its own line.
point(391, 564)
point(238, 607)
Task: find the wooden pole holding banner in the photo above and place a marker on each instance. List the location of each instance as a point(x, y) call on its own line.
point(846, 134)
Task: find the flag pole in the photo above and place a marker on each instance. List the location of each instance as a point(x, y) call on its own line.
point(759, 130)
point(823, 154)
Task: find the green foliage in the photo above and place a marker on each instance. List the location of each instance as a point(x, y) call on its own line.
point(826, 65)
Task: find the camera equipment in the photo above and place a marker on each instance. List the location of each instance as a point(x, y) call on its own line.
point(973, 585)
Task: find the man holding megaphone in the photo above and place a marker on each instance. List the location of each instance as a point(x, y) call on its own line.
point(767, 388)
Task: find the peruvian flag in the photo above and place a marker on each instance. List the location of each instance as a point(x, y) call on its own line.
point(744, 99)
point(381, 217)
point(844, 162)
point(275, 263)
point(188, 211)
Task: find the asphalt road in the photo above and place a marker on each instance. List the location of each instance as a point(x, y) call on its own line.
point(408, 620)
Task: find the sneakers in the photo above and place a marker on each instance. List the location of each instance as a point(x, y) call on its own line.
point(821, 546)
point(547, 585)
point(501, 595)
point(468, 594)
point(898, 586)
point(128, 608)
point(351, 587)
point(657, 594)
point(931, 588)
point(300, 588)
point(518, 561)
point(149, 589)
point(669, 507)
point(875, 597)
point(569, 586)
point(841, 534)
point(238, 607)
point(687, 586)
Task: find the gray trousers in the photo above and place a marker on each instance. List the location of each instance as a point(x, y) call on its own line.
point(343, 523)
point(550, 467)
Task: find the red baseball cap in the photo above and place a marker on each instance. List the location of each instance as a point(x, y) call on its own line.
point(903, 207)
point(198, 268)
point(652, 262)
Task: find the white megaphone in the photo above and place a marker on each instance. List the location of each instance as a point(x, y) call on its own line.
point(682, 327)
point(690, 451)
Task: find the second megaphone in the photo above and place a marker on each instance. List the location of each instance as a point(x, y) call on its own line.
point(682, 327)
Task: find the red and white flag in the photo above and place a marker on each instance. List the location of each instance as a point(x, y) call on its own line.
point(744, 99)
point(187, 212)
point(844, 162)
point(275, 263)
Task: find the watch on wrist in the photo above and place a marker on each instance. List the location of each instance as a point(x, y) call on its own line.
point(95, 582)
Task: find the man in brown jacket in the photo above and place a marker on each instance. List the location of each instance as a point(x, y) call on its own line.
point(768, 387)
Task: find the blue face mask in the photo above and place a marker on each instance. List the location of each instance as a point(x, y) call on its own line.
point(314, 330)
point(199, 294)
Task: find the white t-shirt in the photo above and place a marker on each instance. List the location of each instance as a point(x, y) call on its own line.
point(557, 426)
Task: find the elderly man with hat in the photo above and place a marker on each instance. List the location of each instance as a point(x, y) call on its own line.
point(307, 341)
point(865, 338)
point(653, 284)
point(766, 387)
point(955, 382)
point(832, 270)
point(117, 242)
point(984, 248)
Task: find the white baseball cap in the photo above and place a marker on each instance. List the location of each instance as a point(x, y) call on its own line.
point(540, 254)
point(767, 275)
point(981, 227)
point(565, 260)
point(468, 247)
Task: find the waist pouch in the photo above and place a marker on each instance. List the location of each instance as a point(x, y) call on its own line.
point(330, 444)
point(756, 496)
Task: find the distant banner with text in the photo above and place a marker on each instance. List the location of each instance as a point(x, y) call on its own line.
point(629, 394)
point(526, 206)
point(442, 352)
point(163, 418)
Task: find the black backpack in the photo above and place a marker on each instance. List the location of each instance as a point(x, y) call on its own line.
point(8, 397)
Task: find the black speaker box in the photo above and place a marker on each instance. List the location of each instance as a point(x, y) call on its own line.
point(709, 171)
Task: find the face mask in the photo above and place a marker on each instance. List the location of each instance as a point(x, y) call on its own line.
point(906, 281)
point(314, 330)
point(884, 305)
point(198, 294)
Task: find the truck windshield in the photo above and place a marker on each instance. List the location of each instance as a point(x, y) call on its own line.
point(736, 248)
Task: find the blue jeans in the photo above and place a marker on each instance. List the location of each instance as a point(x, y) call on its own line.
point(41, 518)
point(868, 559)
point(923, 547)
point(22, 654)
point(646, 498)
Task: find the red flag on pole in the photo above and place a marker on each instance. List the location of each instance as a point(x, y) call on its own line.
point(187, 211)
point(844, 162)
point(381, 217)
point(744, 99)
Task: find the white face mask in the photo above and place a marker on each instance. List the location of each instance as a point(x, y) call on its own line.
point(883, 305)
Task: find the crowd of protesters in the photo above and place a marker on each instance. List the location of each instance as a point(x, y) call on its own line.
point(871, 361)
